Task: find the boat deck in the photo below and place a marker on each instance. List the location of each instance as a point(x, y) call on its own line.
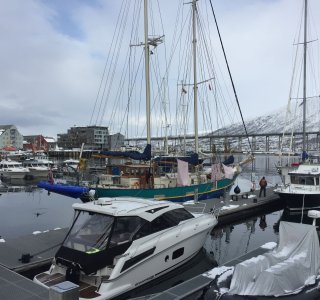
point(86, 291)
point(232, 208)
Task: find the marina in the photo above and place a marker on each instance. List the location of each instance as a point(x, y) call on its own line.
point(30, 254)
point(170, 190)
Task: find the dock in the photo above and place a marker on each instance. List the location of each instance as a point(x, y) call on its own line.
point(230, 208)
point(28, 254)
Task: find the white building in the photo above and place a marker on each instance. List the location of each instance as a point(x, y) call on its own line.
point(10, 137)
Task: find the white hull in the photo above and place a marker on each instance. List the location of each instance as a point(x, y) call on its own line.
point(12, 170)
point(153, 268)
point(14, 174)
point(38, 173)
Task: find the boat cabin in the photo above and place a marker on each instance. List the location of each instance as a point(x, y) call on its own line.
point(105, 230)
point(306, 175)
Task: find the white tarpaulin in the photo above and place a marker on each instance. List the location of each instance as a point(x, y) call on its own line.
point(183, 175)
point(216, 173)
point(286, 270)
point(228, 171)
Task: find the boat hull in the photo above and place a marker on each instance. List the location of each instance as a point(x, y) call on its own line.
point(157, 266)
point(38, 173)
point(175, 194)
point(295, 201)
point(14, 174)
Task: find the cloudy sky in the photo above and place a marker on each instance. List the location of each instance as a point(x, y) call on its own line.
point(53, 53)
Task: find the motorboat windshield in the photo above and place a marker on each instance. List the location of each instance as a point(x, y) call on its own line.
point(95, 239)
point(90, 232)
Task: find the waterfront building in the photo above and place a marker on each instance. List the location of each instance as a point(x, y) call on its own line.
point(39, 143)
point(93, 137)
point(10, 137)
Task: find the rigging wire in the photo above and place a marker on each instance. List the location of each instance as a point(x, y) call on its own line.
point(233, 86)
point(104, 72)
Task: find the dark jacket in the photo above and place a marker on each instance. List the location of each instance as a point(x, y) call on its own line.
point(263, 183)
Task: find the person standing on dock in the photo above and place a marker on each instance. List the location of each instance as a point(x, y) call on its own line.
point(263, 186)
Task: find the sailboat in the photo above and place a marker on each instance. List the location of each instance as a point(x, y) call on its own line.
point(171, 178)
point(301, 189)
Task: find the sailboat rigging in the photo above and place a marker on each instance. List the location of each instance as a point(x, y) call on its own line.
point(161, 177)
point(301, 189)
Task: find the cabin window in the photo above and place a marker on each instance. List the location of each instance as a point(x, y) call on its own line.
point(295, 180)
point(304, 180)
point(177, 253)
point(180, 214)
point(165, 221)
point(317, 181)
point(309, 181)
point(124, 230)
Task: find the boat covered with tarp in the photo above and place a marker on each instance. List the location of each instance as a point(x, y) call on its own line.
point(289, 270)
point(74, 191)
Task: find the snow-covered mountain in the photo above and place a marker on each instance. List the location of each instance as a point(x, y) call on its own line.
point(275, 122)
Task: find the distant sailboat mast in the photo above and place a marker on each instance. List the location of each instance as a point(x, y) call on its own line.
point(304, 80)
point(147, 71)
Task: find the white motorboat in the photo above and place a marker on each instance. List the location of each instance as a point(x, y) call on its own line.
point(70, 165)
point(37, 168)
point(303, 190)
point(10, 169)
point(118, 244)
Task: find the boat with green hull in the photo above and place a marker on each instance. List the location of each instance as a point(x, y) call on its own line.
point(175, 194)
point(175, 175)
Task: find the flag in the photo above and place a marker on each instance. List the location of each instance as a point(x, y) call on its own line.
point(82, 164)
point(183, 175)
point(228, 172)
point(216, 173)
point(210, 87)
point(184, 91)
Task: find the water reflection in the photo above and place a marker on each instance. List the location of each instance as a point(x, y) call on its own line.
point(234, 240)
point(263, 222)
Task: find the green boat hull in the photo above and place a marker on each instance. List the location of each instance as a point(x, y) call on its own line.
point(177, 194)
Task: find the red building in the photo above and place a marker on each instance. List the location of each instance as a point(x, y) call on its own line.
point(36, 143)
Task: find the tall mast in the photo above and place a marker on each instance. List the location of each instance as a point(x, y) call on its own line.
point(195, 86)
point(166, 125)
point(304, 77)
point(147, 71)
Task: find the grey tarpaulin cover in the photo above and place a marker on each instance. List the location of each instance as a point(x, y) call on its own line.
point(285, 270)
